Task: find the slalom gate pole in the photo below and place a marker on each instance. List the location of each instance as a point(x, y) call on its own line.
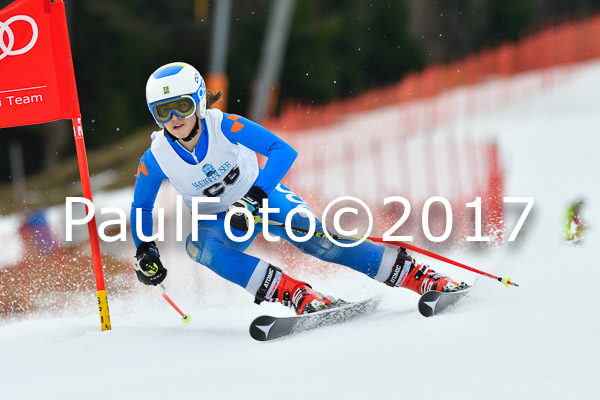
point(93, 231)
point(186, 318)
point(505, 281)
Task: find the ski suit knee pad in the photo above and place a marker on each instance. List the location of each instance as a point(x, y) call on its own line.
point(194, 249)
point(321, 248)
point(365, 257)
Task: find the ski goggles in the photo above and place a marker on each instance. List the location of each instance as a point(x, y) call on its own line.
point(183, 106)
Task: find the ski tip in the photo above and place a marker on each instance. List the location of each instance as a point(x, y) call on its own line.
point(260, 328)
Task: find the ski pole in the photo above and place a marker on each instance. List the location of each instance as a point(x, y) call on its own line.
point(505, 281)
point(186, 318)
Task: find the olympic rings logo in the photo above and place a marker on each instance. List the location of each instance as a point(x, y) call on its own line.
point(7, 48)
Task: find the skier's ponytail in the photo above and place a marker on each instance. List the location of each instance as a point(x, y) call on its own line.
point(212, 98)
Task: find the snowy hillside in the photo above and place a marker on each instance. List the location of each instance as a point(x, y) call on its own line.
point(537, 341)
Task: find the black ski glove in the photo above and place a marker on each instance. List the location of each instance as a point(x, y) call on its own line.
point(149, 269)
point(251, 201)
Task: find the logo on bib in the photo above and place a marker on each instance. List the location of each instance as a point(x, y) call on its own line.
point(208, 170)
point(213, 174)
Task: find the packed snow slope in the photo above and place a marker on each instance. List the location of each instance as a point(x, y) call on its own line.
point(536, 341)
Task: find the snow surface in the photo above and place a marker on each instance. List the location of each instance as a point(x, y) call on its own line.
point(537, 341)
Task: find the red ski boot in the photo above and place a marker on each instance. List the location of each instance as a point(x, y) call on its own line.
point(419, 277)
point(278, 286)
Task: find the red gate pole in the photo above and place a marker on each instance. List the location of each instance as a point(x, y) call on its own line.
point(93, 231)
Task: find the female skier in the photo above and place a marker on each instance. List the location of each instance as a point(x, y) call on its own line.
point(206, 153)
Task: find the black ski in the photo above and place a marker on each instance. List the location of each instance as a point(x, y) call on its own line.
point(267, 327)
point(432, 302)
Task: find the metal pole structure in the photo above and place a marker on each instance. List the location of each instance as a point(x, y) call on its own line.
point(220, 37)
point(216, 79)
point(271, 56)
